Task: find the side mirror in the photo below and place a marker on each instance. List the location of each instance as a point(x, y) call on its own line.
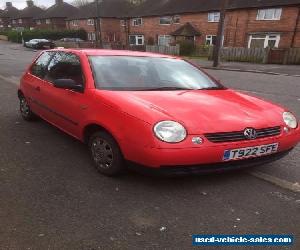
point(68, 84)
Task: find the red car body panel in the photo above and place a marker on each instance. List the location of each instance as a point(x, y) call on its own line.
point(130, 116)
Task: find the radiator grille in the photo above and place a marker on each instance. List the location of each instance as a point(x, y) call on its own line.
point(239, 135)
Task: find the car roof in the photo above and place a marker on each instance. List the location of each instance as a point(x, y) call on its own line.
point(106, 52)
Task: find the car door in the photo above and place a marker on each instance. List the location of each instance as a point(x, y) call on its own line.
point(33, 81)
point(67, 108)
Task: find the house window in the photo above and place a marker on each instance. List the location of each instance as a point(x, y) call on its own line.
point(38, 22)
point(90, 22)
point(74, 23)
point(165, 20)
point(211, 40)
point(48, 21)
point(136, 40)
point(123, 22)
point(91, 36)
point(137, 22)
point(176, 19)
point(14, 21)
point(264, 41)
point(164, 40)
point(214, 17)
point(20, 21)
point(269, 14)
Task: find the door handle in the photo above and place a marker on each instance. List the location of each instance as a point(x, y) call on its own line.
point(38, 88)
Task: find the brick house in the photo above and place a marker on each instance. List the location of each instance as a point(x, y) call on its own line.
point(253, 23)
point(55, 16)
point(109, 16)
point(5, 16)
point(25, 18)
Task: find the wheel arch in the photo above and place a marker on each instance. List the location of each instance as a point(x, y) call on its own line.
point(20, 93)
point(91, 128)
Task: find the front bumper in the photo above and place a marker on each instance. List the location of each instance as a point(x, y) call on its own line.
point(202, 169)
point(208, 154)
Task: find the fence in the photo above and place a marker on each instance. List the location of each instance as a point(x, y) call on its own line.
point(4, 38)
point(260, 55)
point(169, 50)
point(292, 56)
point(253, 55)
point(75, 44)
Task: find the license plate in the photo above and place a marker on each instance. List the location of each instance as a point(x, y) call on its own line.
point(244, 153)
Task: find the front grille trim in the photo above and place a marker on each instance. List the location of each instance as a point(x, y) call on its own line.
point(239, 135)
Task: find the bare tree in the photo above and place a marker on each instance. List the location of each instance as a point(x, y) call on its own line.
point(79, 3)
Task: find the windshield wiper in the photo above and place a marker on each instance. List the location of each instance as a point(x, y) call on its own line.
point(211, 88)
point(169, 88)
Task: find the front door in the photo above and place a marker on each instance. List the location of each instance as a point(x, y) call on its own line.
point(33, 83)
point(66, 107)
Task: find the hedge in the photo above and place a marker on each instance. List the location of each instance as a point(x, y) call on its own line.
point(16, 37)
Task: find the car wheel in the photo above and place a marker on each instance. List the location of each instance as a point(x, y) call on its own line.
point(106, 154)
point(25, 110)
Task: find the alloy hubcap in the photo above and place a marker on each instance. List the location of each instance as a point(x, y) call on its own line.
point(24, 107)
point(102, 153)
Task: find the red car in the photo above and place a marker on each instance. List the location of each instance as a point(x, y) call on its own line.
point(153, 111)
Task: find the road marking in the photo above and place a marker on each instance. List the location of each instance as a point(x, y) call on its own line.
point(295, 187)
point(13, 79)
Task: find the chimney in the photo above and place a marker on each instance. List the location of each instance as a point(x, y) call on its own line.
point(59, 1)
point(30, 3)
point(8, 4)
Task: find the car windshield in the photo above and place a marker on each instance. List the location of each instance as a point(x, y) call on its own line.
point(148, 73)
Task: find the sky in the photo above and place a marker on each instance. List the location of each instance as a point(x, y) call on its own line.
point(20, 4)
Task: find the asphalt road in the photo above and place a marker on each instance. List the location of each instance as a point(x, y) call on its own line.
point(52, 198)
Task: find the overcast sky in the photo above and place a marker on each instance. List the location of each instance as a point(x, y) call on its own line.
point(22, 3)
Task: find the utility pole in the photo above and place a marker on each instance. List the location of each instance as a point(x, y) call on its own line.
point(98, 25)
point(220, 35)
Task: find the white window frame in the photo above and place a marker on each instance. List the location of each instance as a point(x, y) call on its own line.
point(164, 18)
point(137, 21)
point(48, 21)
point(164, 37)
point(90, 22)
point(20, 21)
point(123, 22)
point(137, 37)
point(38, 22)
point(213, 17)
point(176, 17)
point(262, 14)
point(14, 21)
point(74, 23)
point(267, 38)
point(92, 36)
point(209, 38)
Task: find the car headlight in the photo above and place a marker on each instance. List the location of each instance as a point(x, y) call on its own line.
point(290, 120)
point(170, 131)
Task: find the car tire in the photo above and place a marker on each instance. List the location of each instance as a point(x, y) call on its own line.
point(106, 154)
point(25, 110)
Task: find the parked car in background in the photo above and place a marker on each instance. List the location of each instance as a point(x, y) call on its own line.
point(76, 40)
point(153, 110)
point(40, 44)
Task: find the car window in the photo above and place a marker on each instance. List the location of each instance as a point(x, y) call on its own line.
point(39, 68)
point(65, 66)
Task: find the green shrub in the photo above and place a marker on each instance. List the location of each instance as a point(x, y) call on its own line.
point(16, 37)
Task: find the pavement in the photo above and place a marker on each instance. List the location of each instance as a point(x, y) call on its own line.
point(51, 197)
point(272, 69)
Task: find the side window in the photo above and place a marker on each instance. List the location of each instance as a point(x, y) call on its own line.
point(39, 68)
point(65, 66)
